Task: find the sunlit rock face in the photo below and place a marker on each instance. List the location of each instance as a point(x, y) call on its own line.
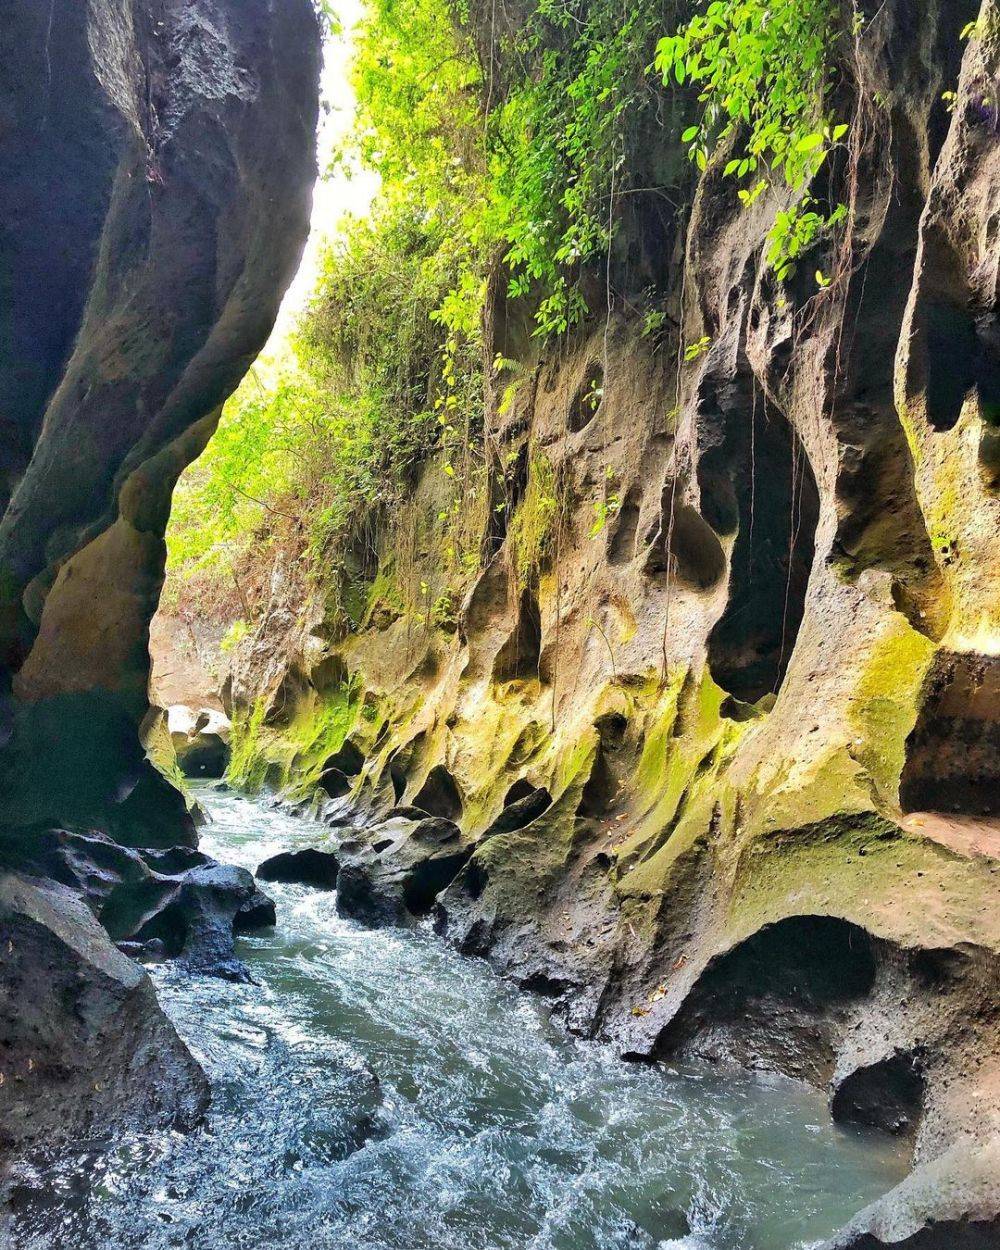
point(156, 165)
point(718, 713)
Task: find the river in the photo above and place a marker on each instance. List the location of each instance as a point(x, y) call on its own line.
point(377, 1091)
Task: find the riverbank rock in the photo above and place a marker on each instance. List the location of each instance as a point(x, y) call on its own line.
point(174, 165)
point(174, 903)
point(306, 867)
point(952, 1203)
point(200, 739)
point(392, 872)
point(85, 1049)
point(726, 758)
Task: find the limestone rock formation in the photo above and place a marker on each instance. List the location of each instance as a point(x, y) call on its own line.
point(156, 165)
point(167, 149)
point(200, 740)
point(727, 760)
point(177, 903)
point(392, 872)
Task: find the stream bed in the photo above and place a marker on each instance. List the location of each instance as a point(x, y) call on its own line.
point(377, 1091)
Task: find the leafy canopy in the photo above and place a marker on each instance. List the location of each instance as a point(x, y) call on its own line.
point(763, 70)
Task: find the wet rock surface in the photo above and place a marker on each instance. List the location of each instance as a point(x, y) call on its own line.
point(85, 1049)
point(306, 867)
point(176, 903)
point(156, 166)
point(952, 1203)
point(392, 873)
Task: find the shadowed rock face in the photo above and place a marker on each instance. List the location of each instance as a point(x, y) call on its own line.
point(113, 1062)
point(156, 163)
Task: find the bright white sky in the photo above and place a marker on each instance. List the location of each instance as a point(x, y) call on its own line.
point(337, 195)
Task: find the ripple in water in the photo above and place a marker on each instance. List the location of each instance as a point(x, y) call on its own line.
point(376, 1091)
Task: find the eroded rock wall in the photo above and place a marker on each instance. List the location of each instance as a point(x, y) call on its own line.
point(718, 717)
point(156, 165)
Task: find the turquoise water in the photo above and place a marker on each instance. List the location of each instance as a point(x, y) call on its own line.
point(376, 1091)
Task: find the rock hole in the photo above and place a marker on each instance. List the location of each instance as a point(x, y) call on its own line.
point(989, 458)
point(887, 1095)
point(518, 813)
point(958, 339)
point(402, 762)
point(768, 495)
point(953, 754)
point(601, 790)
point(518, 658)
point(522, 789)
point(349, 760)
point(440, 795)
point(952, 349)
point(397, 775)
point(771, 1000)
point(334, 783)
point(621, 547)
point(329, 674)
point(588, 398)
point(685, 549)
point(427, 880)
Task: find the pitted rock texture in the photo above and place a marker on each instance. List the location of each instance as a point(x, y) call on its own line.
point(727, 759)
point(952, 1203)
point(176, 903)
point(156, 163)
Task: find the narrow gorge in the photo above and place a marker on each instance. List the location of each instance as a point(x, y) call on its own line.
point(599, 577)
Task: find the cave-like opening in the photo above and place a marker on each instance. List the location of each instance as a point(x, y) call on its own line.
point(756, 482)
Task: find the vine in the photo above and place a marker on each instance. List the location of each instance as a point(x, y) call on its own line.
point(763, 70)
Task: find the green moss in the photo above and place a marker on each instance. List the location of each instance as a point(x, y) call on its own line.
point(531, 530)
point(864, 869)
point(318, 729)
point(830, 785)
point(885, 705)
point(290, 758)
point(687, 746)
point(248, 761)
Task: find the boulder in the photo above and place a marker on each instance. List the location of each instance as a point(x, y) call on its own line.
point(307, 867)
point(85, 1049)
point(178, 897)
point(392, 873)
point(258, 912)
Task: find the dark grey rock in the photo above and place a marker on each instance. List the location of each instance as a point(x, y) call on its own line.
point(306, 867)
point(85, 1048)
point(393, 872)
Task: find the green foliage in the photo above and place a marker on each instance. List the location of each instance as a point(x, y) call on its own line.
point(533, 525)
point(559, 142)
point(328, 16)
point(233, 636)
point(763, 71)
point(386, 366)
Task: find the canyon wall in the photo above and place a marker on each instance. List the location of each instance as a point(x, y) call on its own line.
point(718, 716)
point(156, 166)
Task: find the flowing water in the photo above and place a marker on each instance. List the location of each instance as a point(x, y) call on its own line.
point(376, 1091)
